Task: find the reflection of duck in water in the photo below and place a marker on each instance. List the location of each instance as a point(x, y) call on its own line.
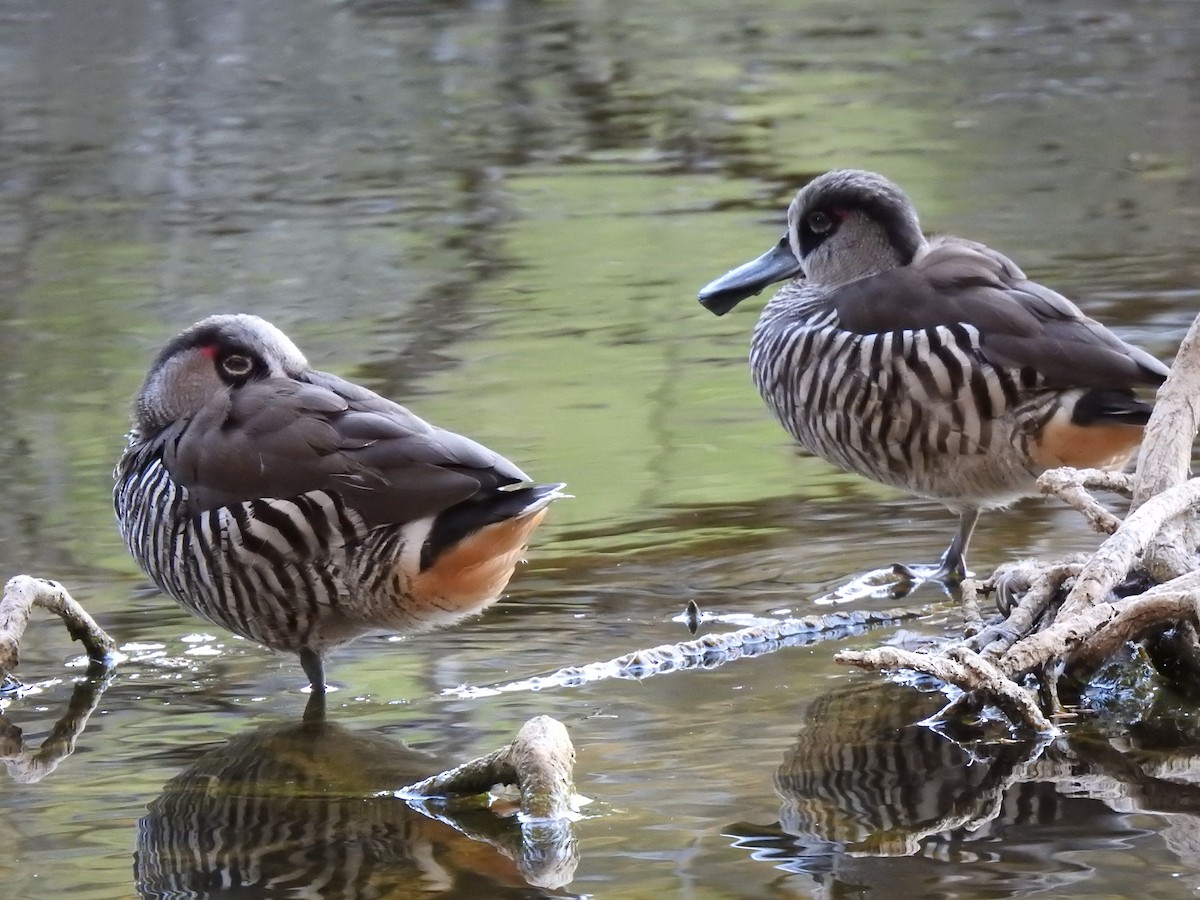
point(873, 800)
point(306, 810)
point(300, 510)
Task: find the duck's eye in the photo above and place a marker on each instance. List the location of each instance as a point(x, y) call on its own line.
point(237, 365)
point(819, 222)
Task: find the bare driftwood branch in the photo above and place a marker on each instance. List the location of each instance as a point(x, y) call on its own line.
point(963, 668)
point(1071, 486)
point(1172, 603)
point(1070, 617)
point(21, 595)
point(1026, 591)
point(540, 762)
point(1165, 458)
point(1117, 556)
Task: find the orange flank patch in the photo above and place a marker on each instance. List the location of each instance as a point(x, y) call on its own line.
point(1100, 446)
point(474, 571)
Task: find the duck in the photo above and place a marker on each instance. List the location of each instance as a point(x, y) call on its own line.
point(930, 364)
point(300, 510)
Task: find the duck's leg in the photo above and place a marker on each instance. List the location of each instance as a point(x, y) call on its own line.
point(953, 564)
point(902, 578)
point(951, 568)
point(314, 668)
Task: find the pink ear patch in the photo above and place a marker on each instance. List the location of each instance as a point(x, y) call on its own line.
point(209, 350)
point(841, 212)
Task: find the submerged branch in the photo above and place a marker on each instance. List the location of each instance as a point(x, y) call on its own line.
point(707, 652)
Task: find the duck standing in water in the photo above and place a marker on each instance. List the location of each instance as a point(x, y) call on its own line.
point(934, 366)
point(300, 510)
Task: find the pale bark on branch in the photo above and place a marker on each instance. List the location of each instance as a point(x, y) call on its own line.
point(1071, 486)
point(540, 762)
point(1117, 556)
point(962, 668)
point(21, 595)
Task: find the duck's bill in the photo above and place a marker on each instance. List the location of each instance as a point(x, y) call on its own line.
point(722, 294)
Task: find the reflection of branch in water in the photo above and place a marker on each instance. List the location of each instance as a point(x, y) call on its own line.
point(864, 788)
point(308, 809)
point(1116, 777)
point(708, 652)
point(28, 766)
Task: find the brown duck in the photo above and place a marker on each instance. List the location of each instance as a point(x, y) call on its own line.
point(934, 366)
point(300, 510)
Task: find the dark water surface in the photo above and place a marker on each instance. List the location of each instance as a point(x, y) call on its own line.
point(499, 212)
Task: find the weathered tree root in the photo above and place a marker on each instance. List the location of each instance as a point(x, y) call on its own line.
point(1118, 555)
point(1173, 603)
point(1070, 486)
point(961, 667)
point(21, 595)
point(540, 762)
point(1065, 619)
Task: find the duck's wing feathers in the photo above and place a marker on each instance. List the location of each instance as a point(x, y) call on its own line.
point(1021, 324)
point(280, 438)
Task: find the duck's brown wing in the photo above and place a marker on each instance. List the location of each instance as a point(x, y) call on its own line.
point(1021, 324)
point(280, 438)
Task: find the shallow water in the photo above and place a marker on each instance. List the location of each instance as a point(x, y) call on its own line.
point(500, 212)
